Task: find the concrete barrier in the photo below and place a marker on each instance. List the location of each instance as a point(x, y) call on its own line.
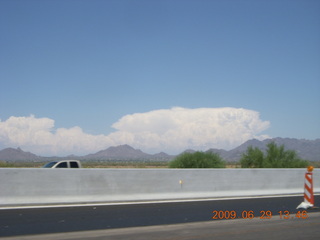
point(27, 186)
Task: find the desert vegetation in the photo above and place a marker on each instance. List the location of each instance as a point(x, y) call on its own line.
point(275, 157)
point(197, 160)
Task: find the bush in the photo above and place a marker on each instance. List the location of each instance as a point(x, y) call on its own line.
point(197, 160)
point(254, 157)
point(4, 164)
point(276, 157)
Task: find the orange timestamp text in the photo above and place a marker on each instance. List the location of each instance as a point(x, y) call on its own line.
point(262, 214)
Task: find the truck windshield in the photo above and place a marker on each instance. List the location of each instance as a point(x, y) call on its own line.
point(49, 165)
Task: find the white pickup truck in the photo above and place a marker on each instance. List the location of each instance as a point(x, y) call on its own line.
point(63, 164)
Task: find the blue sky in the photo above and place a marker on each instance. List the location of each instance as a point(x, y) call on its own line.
point(91, 65)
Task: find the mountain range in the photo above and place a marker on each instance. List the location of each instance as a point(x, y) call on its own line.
point(306, 149)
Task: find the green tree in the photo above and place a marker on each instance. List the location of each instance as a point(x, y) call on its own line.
point(276, 157)
point(197, 160)
point(253, 158)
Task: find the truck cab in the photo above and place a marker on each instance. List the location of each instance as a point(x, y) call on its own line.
point(63, 164)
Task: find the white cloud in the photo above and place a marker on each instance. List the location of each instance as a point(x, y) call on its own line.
point(169, 130)
point(38, 136)
point(176, 129)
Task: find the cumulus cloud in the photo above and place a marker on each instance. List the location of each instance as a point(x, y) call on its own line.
point(169, 130)
point(39, 136)
point(176, 129)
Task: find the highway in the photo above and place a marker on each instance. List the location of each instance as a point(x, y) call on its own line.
point(166, 219)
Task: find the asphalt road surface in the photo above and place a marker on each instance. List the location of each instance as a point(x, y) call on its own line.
point(244, 229)
point(179, 220)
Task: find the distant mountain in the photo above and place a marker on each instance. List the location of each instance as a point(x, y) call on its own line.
point(126, 152)
point(189, 151)
point(163, 156)
point(306, 149)
point(12, 154)
point(122, 152)
point(236, 153)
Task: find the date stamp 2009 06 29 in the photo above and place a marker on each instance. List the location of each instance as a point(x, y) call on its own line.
point(262, 214)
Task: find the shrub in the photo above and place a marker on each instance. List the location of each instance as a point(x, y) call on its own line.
point(276, 157)
point(197, 160)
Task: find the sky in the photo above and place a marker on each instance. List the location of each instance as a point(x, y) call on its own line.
point(79, 76)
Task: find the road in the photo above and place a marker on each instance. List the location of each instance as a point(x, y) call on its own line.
point(120, 220)
point(244, 229)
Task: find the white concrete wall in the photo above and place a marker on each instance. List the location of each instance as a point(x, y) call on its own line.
point(19, 186)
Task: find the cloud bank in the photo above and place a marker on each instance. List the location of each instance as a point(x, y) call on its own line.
point(169, 130)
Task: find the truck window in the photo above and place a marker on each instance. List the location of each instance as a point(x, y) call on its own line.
point(50, 164)
point(62, 165)
point(74, 165)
